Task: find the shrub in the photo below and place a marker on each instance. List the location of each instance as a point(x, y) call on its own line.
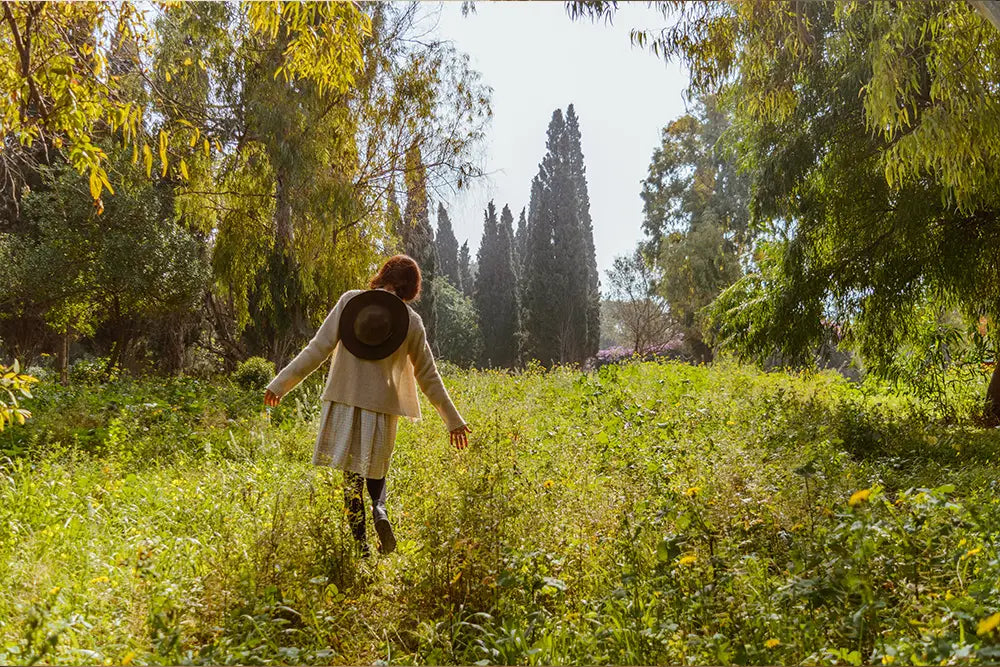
point(254, 373)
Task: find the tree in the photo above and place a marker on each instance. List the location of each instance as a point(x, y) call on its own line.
point(561, 313)
point(642, 313)
point(418, 238)
point(696, 218)
point(459, 339)
point(466, 277)
point(869, 133)
point(447, 248)
point(496, 290)
point(56, 56)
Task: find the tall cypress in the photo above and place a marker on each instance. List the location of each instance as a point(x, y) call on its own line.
point(496, 289)
point(559, 283)
point(418, 237)
point(467, 283)
point(447, 248)
point(504, 281)
point(485, 295)
point(538, 319)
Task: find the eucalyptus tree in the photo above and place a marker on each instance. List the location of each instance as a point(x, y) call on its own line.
point(696, 218)
point(296, 200)
point(869, 133)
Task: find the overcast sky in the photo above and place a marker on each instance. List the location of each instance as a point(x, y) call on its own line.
point(536, 60)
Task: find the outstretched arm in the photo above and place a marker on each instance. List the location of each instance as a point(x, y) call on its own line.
point(309, 359)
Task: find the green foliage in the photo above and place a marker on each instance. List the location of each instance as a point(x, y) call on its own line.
point(447, 248)
point(496, 289)
point(559, 285)
point(460, 340)
point(696, 217)
point(417, 238)
point(254, 373)
point(14, 385)
point(646, 513)
point(864, 131)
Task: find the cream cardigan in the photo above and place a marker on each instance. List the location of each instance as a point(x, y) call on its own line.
point(386, 385)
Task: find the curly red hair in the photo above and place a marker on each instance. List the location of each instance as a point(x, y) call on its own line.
point(401, 274)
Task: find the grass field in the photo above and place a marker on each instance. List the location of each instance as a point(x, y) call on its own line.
point(644, 513)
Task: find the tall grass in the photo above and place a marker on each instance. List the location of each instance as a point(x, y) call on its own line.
point(646, 513)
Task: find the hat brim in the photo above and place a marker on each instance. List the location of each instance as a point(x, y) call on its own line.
point(398, 313)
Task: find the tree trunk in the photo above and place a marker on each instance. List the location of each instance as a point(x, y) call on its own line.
point(991, 413)
point(64, 359)
point(702, 352)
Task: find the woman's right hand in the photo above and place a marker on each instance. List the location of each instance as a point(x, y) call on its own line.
point(460, 437)
point(270, 398)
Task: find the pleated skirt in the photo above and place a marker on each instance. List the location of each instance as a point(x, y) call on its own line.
point(354, 439)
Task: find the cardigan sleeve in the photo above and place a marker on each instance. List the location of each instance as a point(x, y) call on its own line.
point(314, 354)
point(430, 382)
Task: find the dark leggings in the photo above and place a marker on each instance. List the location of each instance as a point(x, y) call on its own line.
point(354, 489)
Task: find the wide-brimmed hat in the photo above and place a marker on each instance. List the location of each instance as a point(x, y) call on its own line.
point(374, 324)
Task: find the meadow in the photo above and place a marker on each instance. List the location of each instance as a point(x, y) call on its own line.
point(645, 513)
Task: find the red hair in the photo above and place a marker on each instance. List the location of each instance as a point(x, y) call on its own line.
point(401, 274)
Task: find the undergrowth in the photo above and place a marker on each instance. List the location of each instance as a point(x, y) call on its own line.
point(642, 514)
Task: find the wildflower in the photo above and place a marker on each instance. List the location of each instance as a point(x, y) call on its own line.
point(693, 491)
point(98, 580)
point(972, 552)
point(888, 659)
point(988, 624)
point(687, 560)
point(548, 484)
point(54, 590)
point(772, 642)
point(859, 497)
point(127, 660)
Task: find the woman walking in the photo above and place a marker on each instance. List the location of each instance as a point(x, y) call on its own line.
point(380, 355)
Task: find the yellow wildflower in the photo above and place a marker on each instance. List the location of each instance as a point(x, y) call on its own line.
point(548, 484)
point(972, 552)
point(988, 624)
point(127, 660)
point(772, 642)
point(859, 497)
point(888, 659)
point(693, 491)
point(687, 560)
point(98, 580)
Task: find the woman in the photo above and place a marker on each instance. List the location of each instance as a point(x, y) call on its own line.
point(380, 355)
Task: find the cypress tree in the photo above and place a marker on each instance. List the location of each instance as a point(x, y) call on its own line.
point(504, 283)
point(485, 295)
point(465, 271)
point(447, 248)
point(559, 283)
point(538, 320)
point(418, 237)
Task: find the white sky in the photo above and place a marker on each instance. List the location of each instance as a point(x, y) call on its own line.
point(536, 60)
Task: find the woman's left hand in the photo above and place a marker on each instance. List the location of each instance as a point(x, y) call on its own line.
point(460, 437)
point(270, 398)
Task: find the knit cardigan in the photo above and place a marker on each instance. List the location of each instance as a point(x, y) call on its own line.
point(386, 385)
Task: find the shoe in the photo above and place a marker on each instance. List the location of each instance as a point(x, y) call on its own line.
point(386, 540)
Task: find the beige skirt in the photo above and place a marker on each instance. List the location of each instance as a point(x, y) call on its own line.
point(355, 439)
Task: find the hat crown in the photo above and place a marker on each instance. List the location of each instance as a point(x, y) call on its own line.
point(373, 325)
